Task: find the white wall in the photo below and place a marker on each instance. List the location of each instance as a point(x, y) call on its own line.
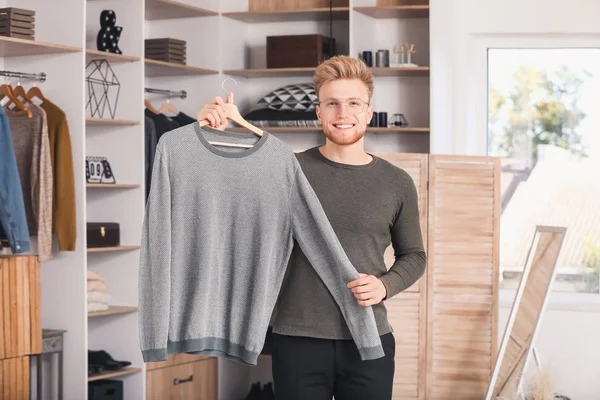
point(460, 33)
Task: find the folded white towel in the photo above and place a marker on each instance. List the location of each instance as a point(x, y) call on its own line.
point(93, 276)
point(97, 307)
point(97, 286)
point(98, 297)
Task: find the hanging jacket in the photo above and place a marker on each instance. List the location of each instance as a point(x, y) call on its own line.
point(13, 222)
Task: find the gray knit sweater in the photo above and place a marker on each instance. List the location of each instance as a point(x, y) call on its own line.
point(219, 228)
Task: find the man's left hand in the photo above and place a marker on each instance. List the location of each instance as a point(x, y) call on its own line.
point(368, 290)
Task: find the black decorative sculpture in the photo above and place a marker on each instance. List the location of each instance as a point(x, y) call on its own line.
point(109, 34)
point(103, 88)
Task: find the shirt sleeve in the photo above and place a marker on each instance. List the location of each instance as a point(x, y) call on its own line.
point(154, 285)
point(44, 194)
point(65, 220)
point(318, 241)
point(407, 241)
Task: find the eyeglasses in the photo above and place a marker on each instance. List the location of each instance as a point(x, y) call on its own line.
point(354, 106)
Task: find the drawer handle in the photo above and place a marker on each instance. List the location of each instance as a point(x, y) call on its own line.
point(180, 381)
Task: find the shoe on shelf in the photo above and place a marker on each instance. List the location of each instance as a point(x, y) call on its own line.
point(104, 359)
point(255, 392)
point(267, 392)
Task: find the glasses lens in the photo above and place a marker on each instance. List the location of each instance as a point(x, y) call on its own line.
point(352, 106)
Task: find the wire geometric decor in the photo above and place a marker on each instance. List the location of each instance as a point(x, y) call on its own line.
point(103, 88)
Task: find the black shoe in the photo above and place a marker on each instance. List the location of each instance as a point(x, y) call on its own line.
point(104, 359)
point(267, 392)
point(255, 392)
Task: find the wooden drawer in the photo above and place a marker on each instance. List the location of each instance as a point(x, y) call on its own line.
point(193, 380)
point(14, 378)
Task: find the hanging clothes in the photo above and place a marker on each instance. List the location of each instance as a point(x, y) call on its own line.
point(219, 228)
point(13, 221)
point(32, 152)
point(150, 142)
point(183, 119)
point(64, 220)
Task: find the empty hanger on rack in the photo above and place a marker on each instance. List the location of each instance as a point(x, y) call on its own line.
point(232, 113)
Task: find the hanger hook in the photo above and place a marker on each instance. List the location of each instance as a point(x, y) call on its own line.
point(223, 85)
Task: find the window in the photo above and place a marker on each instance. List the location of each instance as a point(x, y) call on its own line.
point(544, 123)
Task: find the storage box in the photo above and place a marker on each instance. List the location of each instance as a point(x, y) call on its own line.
point(103, 234)
point(295, 51)
point(166, 49)
point(17, 22)
point(105, 389)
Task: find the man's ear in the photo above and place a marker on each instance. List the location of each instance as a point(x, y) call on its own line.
point(369, 114)
point(318, 111)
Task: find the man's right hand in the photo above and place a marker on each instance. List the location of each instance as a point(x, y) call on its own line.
point(214, 112)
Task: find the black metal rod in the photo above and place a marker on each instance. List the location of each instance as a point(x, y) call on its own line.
point(182, 94)
point(22, 75)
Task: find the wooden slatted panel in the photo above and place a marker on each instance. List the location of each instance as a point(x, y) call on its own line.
point(527, 314)
point(20, 312)
point(407, 310)
point(14, 378)
point(463, 260)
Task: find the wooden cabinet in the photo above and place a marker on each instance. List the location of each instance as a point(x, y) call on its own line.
point(183, 376)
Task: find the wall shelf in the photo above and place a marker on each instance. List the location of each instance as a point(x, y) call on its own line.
point(400, 71)
point(170, 9)
point(310, 14)
point(421, 11)
point(113, 249)
point(13, 47)
point(111, 57)
point(160, 68)
point(113, 310)
point(114, 374)
point(112, 185)
point(270, 72)
point(92, 121)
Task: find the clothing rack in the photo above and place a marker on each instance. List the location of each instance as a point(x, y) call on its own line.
point(23, 75)
point(182, 94)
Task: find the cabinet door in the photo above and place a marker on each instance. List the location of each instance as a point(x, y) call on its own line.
point(462, 269)
point(407, 311)
point(195, 381)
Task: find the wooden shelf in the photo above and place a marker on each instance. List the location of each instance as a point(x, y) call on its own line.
point(161, 68)
point(169, 9)
point(113, 249)
point(13, 47)
point(112, 185)
point(287, 129)
point(110, 57)
point(113, 310)
point(114, 374)
point(309, 14)
point(270, 72)
point(91, 121)
point(400, 71)
point(395, 11)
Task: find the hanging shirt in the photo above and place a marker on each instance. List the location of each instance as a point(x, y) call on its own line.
point(64, 220)
point(32, 152)
point(219, 228)
point(13, 221)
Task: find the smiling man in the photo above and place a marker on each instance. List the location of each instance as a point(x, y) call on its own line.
point(370, 204)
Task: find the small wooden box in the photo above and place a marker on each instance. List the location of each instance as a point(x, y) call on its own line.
point(296, 51)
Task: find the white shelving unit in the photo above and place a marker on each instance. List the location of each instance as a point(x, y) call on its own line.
point(223, 40)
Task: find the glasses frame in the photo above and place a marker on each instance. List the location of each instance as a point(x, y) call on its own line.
point(344, 101)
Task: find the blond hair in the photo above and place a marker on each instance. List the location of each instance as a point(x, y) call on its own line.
point(343, 67)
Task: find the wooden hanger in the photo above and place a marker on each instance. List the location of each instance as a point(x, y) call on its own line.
point(35, 91)
point(232, 113)
point(168, 106)
point(6, 91)
point(149, 106)
point(19, 92)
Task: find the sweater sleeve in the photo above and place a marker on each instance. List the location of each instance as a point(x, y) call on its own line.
point(154, 285)
point(407, 241)
point(44, 194)
point(64, 208)
point(318, 241)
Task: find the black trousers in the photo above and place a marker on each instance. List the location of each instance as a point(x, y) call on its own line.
point(319, 369)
